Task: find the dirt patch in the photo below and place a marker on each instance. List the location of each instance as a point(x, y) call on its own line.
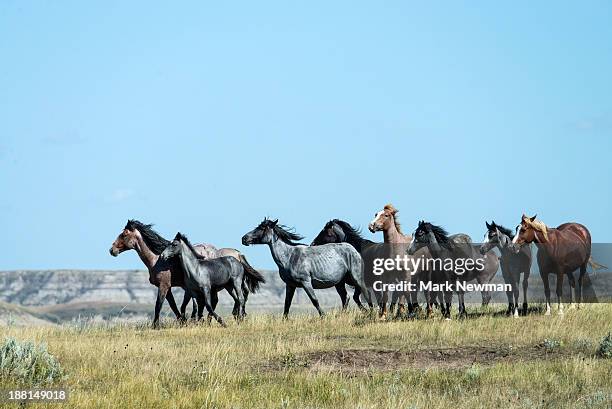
point(352, 360)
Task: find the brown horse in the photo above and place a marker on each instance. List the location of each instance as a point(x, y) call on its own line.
point(561, 251)
point(165, 274)
point(387, 221)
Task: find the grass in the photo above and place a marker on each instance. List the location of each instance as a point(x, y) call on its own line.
point(341, 361)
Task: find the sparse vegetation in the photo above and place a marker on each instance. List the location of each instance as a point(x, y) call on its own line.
point(605, 347)
point(25, 363)
point(340, 361)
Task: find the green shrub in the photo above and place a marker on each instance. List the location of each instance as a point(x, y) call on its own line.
point(24, 362)
point(605, 347)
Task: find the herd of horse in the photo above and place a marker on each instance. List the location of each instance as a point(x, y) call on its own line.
point(339, 255)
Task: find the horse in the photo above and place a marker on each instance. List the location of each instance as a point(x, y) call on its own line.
point(561, 251)
point(387, 221)
point(459, 246)
point(310, 267)
point(164, 275)
point(512, 264)
point(339, 231)
point(204, 277)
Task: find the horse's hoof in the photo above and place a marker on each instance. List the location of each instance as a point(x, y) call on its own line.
point(547, 312)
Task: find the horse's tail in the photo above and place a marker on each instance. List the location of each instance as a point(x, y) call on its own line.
point(595, 265)
point(252, 277)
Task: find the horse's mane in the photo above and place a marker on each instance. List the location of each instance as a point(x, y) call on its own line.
point(389, 207)
point(536, 225)
point(350, 232)
point(152, 239)
point(184, 239)
point(438, 231)
point(503, 229)
point(283, 232)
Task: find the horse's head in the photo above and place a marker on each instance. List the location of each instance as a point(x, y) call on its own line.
point(427, 234)
point(126, 240)
point(384, 219)
point(173, 249)
point(530, 230)
point(495, 236)
point(422, 237)
point(331, 233)
point(262, 234)
point(270, 231)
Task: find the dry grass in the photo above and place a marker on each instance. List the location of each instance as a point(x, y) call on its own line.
point(341, 361)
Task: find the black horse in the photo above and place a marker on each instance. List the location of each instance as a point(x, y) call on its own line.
point(339, 231)
point(443, 247)
point(512, 264)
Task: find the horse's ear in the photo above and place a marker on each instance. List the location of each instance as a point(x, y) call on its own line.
point(488, 225)
point(274, 222)
point(533, 218)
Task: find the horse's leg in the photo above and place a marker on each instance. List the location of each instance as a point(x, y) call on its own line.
point(572, 282)
point(486, 296)
point(200, 303)
point(357, 296)
point(313, 297)
point(240, 297)
point(343, 294)
point(194, 308)
point(508, 280)
point(172, 304)
point(546, 291)
point(289, 291)
point(383, 305)
point(461, 301)
point(448, 301)
point(361, 288)
point(516, 281)
point(206, 298)
point(525, 285)
point(186, 298)
point(583, 269)
point(214, 299)
point(560, 290)
point(162, 290)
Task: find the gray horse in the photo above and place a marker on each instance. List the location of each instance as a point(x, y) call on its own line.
point(310, 267)
point(512, 264)
point(205, 277)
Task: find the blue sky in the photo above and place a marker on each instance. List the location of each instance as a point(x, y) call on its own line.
point(205, 117)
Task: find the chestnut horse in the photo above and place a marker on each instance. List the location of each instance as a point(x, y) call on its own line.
point(561, 251)
point(387, 221)
point(165, 274)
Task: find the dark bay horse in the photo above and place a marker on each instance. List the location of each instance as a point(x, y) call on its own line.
point(561, 251)
point(164, 275)
point(310, 267)
point(512, 264)
point(339, 231)
point(459, 246)
point(205, 277)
